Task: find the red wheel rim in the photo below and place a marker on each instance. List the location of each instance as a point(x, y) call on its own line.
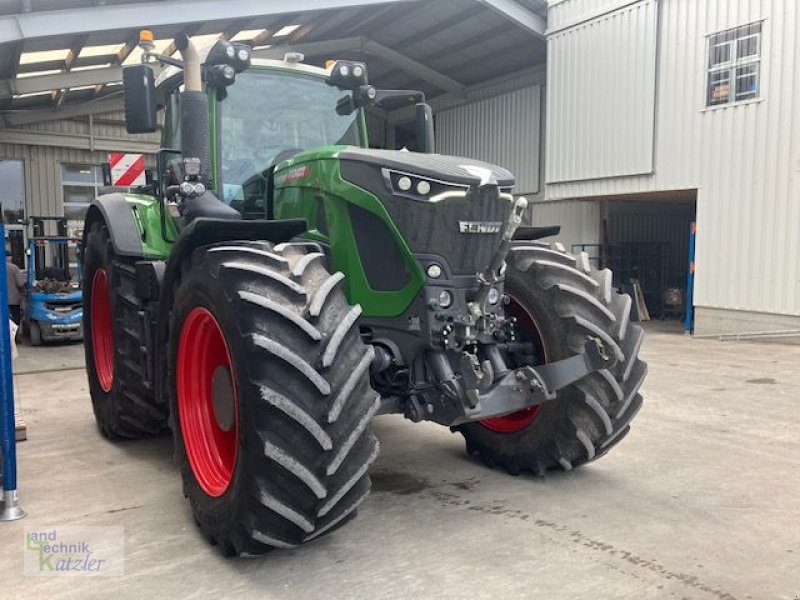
point(518, 421)
point(102, 331)
point(210, 447)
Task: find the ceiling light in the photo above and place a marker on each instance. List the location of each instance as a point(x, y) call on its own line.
point(27, 58)
point(36, 73)
point(90, 67)
point(246, 35)
point(31, 95)
point(203, 40)
point(288, 30)
point(100, 50)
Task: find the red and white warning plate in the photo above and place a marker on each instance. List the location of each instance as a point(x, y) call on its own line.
point(127, 169)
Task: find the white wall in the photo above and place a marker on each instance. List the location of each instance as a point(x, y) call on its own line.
point(601, 92)
point(744, 159)
point(503, 130)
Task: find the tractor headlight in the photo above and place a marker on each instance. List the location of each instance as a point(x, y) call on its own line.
point(494, 296)
point(422, 188)
point(434, 271)
point(445, 299)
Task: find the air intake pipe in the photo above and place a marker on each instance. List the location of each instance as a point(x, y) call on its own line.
point(195, 127)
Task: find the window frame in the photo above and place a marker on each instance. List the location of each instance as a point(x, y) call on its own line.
point(91, 188)
point(730, 68)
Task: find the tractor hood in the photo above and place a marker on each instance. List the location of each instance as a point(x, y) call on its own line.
point(454, 169)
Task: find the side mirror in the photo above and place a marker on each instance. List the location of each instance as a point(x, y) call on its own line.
point(423, 123)
point(140, 99)
point(168, 166)
point(394, 99)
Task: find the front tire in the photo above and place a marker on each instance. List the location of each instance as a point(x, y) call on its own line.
point(559, 303)
point(270, 396)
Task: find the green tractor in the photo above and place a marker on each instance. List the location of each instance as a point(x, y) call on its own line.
point(278, 284)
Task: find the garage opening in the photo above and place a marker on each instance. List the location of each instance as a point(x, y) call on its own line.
point(645, 241)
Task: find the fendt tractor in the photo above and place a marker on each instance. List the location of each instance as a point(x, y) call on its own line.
point(278, 284)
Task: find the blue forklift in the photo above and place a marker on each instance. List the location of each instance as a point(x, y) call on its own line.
point(53, 309)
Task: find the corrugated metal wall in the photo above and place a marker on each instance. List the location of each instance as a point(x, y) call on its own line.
point(504, 130)
point(743, 159)
point(578, 220)
point(655, 222)
point(42, 163)
point(601, 96)
point(562, 14)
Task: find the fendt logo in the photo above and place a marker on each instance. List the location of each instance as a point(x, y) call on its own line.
point(479, 226)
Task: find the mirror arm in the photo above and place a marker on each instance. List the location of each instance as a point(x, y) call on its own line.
point(167, 60)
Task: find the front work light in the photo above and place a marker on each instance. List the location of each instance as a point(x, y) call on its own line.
point(348, 75)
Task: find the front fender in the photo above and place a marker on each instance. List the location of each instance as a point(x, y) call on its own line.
point(116, 213)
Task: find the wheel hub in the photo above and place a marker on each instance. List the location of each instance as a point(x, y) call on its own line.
point(207, 401)
point(527, 327)
point(222, 398)
point(102, 330)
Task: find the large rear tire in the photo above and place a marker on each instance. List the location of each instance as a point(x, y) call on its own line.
point(270, 396)
point(559, 303)
point(124, 406)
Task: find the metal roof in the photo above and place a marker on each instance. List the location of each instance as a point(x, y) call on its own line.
point(64, 57)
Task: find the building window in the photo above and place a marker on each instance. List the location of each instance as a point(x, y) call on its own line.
point(734, 65)
point(80, 184)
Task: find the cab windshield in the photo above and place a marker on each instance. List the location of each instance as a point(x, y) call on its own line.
point(268, 117)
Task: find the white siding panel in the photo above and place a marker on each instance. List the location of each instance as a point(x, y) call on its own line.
point(601, 96)
point(504, 130)
point(744, 160)
point(579, 220)
point(562, 14)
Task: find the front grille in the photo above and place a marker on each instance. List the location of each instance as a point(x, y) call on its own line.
point(62, 307)
point(433, 228)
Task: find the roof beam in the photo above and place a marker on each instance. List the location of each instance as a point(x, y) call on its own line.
point(75, 140)
point(368, 47)
point(414, 67)
point(46, 83)
point(22, 117)
point(311, 48)
point(453, 49)
point(113, 17)
point(519, 15)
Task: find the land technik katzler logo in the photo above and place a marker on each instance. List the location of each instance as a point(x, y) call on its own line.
point(74, 550)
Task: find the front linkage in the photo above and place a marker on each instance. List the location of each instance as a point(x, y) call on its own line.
point(474, 389)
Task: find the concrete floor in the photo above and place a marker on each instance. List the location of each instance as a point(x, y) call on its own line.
point(702, 500)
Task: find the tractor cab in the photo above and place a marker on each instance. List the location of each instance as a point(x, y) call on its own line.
point(263, 115)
